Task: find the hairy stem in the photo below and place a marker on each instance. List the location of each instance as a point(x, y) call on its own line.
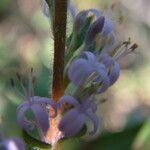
point(60, 17)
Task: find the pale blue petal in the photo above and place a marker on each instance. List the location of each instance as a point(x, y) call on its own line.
point(94, 29)
point(72, 122)
point(21, 118)
point(68, 99)
point(23, 104)
point(80, 20)
point(102, 77)
point(108, 27)
point(94, 120)
point(41, 117)
point(79, 71)
point(46, 101)
point(114, 73)
point(89, 56)
point(85, 104)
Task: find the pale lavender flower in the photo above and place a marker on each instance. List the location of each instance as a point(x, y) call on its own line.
point(81, 18)
point(13, 143)
point(41, 117)
point(82, 68)
point(38, 106)
point(74, 119)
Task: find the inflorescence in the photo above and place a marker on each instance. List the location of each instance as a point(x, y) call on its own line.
point(91, 66)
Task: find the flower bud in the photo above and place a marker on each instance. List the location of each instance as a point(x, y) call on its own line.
point(94, 29)
point(80, 20)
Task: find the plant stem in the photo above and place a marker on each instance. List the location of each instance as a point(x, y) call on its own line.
point(60, 17)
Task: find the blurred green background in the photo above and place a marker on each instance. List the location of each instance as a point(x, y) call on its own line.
point(26, 41)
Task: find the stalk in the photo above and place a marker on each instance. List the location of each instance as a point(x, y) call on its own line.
point(60, 17)
point(59, 31)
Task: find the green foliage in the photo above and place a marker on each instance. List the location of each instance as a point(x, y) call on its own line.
point(76, 39)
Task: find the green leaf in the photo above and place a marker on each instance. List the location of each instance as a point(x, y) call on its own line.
point(115, 141)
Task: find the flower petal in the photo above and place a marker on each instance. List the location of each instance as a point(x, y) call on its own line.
point(105, 82)
point(23, 104)
point(102, 77)
point(80, 20)
point(72, 122)
point(94, 29)
point(68, 99)
point(115, 71)
point(79, 71)
point(89, 56)
point(21, 119)
point(46, 101)
point(95, 121)
point(108, 27)
point(41, 117)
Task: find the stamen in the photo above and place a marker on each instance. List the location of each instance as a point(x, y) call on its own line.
point(125, 49)
point(31, 83)
point(21, 84)
point(134, 46)
point(14, 87)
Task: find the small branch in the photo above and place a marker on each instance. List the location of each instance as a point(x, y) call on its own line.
point(60, 17)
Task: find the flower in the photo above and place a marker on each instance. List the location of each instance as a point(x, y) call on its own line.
point(74, 119)
point(13, 143)
point(87, 68)
point(41, 117)
point(82, 68)
point(38, 108)
point(81, 17)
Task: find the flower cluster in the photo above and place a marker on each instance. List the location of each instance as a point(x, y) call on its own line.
point(91, 65)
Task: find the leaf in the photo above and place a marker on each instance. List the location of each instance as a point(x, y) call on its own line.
point(116, 141)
